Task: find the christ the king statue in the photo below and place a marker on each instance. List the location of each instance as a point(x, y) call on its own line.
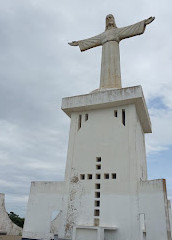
point(109, 40)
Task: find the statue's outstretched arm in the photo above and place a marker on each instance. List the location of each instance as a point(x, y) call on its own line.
point(149, 20)
point(135, 29)
point(74, 43)
point(88, 43)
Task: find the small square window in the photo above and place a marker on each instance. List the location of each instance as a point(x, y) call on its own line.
point(106, 176)
point(97, 203)
point(98, 167)
point(96, 212)
point(97, 185)
point(96, 222)
point(98, 159)
point(113, 175)
point(82, 176)
point(97, 194)
point(98, 176)
point(89, 176)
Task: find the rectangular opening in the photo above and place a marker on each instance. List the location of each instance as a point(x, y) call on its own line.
point(96, 222)
point(98, 176)
point(110, 234)
point(82, 176)
point(79, 121)
point(97, 194)
point(97, 203)
point(123, 117)
point(113, 175)
point(106, 176)
point(143, 225)
point(115, 113)
point(89, 176)
point(85, 233)
point(97, 185)
point(98, 167)
point(96, 212)
point(86, 116)
point(98, 159)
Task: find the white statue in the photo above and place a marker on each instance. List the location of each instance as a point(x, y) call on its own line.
point(109, 39)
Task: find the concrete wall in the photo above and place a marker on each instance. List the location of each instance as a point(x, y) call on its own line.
point(122, 151)
point(6, 225)
point(44, 198)
point(153, 203)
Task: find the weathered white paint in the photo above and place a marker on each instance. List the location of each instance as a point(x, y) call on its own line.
point(110, 98)
point(6, 225)
point(123, 200)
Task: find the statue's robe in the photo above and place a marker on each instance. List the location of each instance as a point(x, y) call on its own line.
point(109, 40)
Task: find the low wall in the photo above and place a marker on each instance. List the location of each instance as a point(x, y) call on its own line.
point(6, 225)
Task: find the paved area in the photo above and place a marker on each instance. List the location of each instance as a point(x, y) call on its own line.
point(10, 237)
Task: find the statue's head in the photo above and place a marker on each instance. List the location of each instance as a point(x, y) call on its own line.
point(110, 22)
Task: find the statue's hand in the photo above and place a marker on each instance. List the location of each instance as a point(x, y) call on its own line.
point(74, 43)
point(149, 20)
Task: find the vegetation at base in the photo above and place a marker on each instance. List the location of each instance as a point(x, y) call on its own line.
point(16, 219)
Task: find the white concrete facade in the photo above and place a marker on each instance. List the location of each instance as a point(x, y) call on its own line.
point(44, 199)
point(106, 194)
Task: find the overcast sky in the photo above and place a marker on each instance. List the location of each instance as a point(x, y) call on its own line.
point(38, 68)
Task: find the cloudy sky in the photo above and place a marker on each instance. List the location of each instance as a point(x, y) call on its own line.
point(38, 68)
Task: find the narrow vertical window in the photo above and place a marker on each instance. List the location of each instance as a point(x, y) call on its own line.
point(123, 117)
point(86, 116)
point(115, 113)
point(79, 121)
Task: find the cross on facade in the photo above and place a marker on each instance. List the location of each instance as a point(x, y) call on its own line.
point(99, 176)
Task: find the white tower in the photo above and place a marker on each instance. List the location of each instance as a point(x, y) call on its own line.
point(109, 194)
point(106, 194)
